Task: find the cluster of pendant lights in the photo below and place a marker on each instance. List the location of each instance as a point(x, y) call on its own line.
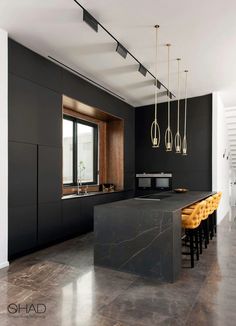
point(179, 143)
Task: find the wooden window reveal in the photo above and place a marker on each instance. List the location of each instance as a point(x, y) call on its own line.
point(111, 143)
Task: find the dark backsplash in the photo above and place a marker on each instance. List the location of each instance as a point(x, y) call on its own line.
point(193, 171)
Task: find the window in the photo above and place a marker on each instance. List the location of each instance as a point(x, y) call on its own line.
point(80, 151)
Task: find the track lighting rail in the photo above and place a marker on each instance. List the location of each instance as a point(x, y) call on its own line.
point(94, 23)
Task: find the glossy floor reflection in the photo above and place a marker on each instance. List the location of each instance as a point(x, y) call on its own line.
point(64, 279)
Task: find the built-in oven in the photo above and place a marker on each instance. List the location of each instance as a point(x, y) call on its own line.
point(161, 181)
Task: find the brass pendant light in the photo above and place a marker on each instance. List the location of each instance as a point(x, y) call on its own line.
point(184, 147)
point(155, 128)
point(168, 132)
point(177, 135)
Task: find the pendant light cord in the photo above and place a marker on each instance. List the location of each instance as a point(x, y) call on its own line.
point(155, 128)
point(168, 83)
point(178, 96)
point(156, 26)
point(185, 103)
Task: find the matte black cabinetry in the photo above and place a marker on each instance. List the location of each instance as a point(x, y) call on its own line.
point(22, 174)
point(37, 214)
point(22, 221)
point(49, 174)
point(71, 214)
point(25, 63)
point(49, 222)
point(78, 212)
point(35, 113)
point(49, 194)
point(22, 225)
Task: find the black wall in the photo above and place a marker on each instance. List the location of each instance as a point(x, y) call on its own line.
point(37, 214)
point(193, 171)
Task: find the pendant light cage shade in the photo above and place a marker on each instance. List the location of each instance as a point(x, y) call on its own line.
point(178, 142)
point(168, 132)
point(184, 145)
point(184, 151)
point(168, 139)
point(155, 128)
point(155, 134)
point(177, 135)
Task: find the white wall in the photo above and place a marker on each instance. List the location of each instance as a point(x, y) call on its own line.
point(3, 149)
point(220, 165)
point(233, 188)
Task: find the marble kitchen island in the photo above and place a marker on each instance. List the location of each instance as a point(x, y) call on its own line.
point(143, 235)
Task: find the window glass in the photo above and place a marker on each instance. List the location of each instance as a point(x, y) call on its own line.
point(85, 152)
point(67, 151)
point(80, 148)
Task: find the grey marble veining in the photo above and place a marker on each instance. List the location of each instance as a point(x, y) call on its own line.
point(142, 236)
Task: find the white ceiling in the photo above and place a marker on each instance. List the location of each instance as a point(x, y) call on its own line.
point(203, 34)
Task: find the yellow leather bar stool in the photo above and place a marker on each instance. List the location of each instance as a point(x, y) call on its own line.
point(210, 209)
point(217, 198)
point(205, 220)
point(191, 220)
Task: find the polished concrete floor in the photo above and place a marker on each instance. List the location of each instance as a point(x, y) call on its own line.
point(64, 279)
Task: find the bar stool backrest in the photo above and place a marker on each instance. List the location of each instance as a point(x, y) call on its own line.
point(193, 220)
point(210, 205)
point(218, 198)
point(207, 209)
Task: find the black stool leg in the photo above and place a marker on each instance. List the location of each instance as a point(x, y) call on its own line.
point(196, 243)
point(215, 221)
point(211, 226)
point(191, 248)
point(206, 232)
point(200, 237)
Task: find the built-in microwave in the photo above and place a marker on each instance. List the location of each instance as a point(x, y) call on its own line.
point(154, 181)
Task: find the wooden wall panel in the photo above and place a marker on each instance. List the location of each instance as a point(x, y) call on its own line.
point(115, 153)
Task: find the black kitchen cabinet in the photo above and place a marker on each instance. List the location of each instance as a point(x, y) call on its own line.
point(22, 226)
point(35, 113)
point(78, 212)
point(71, 216)
point(36, 88)
point(25, 63)
point(49, 222)
point(49, 174)
point(22, 174)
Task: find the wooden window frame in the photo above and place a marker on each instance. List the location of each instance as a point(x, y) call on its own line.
point(75, 121)
point(110, 144)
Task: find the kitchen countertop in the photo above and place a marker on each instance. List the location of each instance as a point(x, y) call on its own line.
point(91, 193)
point(174, 201)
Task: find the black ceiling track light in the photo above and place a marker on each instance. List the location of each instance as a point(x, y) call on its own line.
point(158, 85)
point(94, 24)
point(90, 20)
point(142, 70)
point(121, 50)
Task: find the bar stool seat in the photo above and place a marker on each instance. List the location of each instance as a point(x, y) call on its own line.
point(191, 220)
